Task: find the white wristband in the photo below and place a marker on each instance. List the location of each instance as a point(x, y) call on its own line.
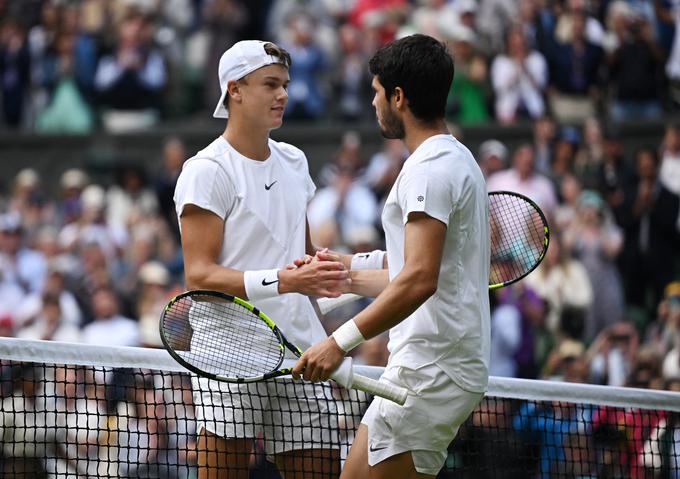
point(372, 260)
point(261, 284)
point(348, 336)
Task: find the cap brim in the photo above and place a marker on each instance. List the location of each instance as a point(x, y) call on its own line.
point(220, 110)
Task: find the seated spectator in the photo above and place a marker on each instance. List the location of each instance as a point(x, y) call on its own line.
point(635, 74)
point(661, 334)
point(19, 264)
point(575, 74)
point(164, 181)
point(522, 178)
point(519, 77)
point(50, 323)
point(492, 157)
point(109, 327)
point(130, 80)
point(130, 200)
point(467, 100)
point(570, 189)
point(544, 132)
point(384, 167)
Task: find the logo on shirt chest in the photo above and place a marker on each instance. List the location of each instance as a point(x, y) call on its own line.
point(268, 186)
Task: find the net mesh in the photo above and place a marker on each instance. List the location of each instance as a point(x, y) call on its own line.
point(70, 411)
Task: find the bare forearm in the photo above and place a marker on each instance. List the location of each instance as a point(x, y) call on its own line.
point(400, 298)
point(369, 282)
point(217, 278)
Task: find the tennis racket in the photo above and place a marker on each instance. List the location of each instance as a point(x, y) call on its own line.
point(225, 338)
point(519, 240)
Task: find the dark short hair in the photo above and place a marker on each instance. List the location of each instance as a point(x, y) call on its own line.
point(422, 67)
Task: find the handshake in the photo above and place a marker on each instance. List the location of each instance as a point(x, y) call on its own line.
point(326, 274)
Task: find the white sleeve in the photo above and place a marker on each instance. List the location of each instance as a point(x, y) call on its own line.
point(422, 191)
point(205, 184)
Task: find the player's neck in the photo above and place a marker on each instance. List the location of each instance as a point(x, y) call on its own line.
point(250, 142)
point(417, 132)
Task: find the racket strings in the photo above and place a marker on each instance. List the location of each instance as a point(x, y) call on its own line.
point(517, 237)
point(221, 337)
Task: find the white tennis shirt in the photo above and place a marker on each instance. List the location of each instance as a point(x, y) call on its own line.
point(263, 205)
point(452, 328)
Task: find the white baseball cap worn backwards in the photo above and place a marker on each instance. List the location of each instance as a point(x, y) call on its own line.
point(241, 59)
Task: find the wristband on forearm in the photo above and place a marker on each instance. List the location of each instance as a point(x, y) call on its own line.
point(261, 284)
point(372, 260)
point(348, 336)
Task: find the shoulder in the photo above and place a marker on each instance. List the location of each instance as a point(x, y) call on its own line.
point(289, 155)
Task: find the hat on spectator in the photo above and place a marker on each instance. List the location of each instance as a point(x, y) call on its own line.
point(456, 31)
point(27, 178)
point(672, 289)
point(670, 370)
point(493, 148)
point(10, 221)
point(570, 348)
point(466, 6)
point(73, 178)
point(153, 272)
point(93, 197)
point(242, 58)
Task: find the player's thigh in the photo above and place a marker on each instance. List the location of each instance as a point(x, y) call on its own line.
point(356, 464)
point(220, 458)
point(309, 464)
point(399, 465)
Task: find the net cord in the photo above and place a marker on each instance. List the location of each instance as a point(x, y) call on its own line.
point(56, 352)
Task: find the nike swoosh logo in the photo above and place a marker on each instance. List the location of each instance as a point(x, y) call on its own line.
point(267, 187)
point(267, 283)
point(374, 449)
point(364, 255)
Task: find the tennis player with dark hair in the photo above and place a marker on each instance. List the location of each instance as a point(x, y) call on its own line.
point(241, 203)
point(434, 296)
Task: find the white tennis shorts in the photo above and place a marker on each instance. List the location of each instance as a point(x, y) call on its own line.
point(289, 415)
point(425, 425)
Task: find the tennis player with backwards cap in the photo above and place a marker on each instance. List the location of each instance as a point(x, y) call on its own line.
point(434, 295)
point(241, 203)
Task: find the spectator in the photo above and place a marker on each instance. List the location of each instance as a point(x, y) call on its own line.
point(596, 241)
point(649, 217)
point(15, 66)
point(590, 156)
point(562, 282)
point(50, 323)
point(174, 155)
point(109, 327)
point(669, 13)
point(351, 81)
point(72, 183)
point(130, 80)
point(522, 178)
point(305, 98)
point(19, 264)
point(544, 133)
point(383, 168)
point(575, 75)
point(467, 101)
point(131, 200)
point(635, 74)
point(570, 190)
point(669, 175)
point(492, 157)
point(519, 77)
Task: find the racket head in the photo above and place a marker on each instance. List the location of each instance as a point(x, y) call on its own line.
point(222, 337)
point(520, 237)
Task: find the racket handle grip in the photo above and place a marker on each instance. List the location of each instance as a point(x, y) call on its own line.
point(329, 304)
point(379, 388)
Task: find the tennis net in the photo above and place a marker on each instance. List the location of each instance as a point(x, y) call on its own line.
point(71, 411)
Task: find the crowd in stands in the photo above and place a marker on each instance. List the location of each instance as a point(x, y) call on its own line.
point(125, 65)
point(95, 263)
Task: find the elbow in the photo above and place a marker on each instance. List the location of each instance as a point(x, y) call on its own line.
point(195, 277)
point(424, 286)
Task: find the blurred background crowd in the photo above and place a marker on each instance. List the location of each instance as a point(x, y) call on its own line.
point(94, 261)
point(78, 65)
